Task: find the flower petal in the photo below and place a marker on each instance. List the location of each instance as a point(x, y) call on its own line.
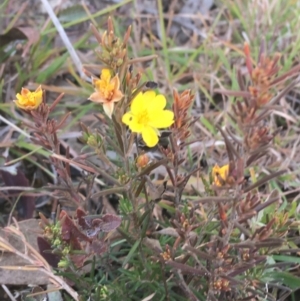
point(20, 98)
point(127, 118)
point(105, 74)
point(38, 89)
point(138, 104)
point(25, 91)
point(220, 174)
point(108, 108)
point(149, 136)
point(96, 82)
point(38, 96)
point(118, 95)
point(161, 119)
point(157, 103)
point(97, 97)
point(149, 96)
point(135, 126)
point(28, 100)
point(132, 123)
point(115, 81)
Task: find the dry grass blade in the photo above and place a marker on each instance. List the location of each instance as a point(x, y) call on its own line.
point(36, 261)
point(66, 40)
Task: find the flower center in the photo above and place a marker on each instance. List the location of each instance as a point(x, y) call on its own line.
point(143, 117)
point(31, 99)
point(28, 99)
point(107, 89)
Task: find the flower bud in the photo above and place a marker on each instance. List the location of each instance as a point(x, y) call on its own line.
point(142, 161)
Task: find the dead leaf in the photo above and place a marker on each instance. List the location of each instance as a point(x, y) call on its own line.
point(30, 229)
point(167, 231)
point(155, 193)
point(20, 33)
point(152, 244)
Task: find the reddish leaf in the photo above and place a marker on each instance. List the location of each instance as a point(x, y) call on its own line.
point(80, 216)
point(45, 251)
point(78, 260)
point(98, 247)
point(107, 223)
point(110, 222)
point(66, 226)
point(70, 232)
point(92, 232)
point(96, 222)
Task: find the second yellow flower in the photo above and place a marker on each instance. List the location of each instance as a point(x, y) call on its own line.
point(147, 115)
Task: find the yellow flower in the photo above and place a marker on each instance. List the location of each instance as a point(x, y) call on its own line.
point(29, 100)
point(107, 91)
point(147, 115)
point(220, 174)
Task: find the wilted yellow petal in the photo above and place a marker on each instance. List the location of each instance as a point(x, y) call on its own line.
point(220, 174)
point(28, 100)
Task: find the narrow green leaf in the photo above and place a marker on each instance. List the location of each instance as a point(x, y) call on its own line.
point(208, 125)
point(131, 252)
point(287, 279)
point(49, 71)
point(286, 258)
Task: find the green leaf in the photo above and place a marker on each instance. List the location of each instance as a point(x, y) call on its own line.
point(208, 125)
point(286, 258)
point(54, 67)
point(285, 278)
point(131, 252)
